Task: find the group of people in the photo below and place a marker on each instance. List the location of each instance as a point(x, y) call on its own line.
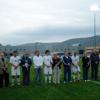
point(51, 65)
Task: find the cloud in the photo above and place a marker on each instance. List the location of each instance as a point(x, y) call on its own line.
point(34, 18)
point(48, 34)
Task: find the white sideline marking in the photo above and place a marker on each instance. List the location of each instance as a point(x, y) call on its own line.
point(95, 82)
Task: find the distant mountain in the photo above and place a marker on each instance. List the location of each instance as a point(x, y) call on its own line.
point(83, 42)
point(58, 46)
point(89, 41)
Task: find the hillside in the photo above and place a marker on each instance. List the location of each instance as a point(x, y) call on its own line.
point(58, 46)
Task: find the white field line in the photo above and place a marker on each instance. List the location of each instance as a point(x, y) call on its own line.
point(94, 82)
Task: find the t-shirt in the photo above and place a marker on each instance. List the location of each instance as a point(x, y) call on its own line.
point(47, 60)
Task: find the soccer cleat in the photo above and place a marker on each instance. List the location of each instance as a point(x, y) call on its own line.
point(64, 82)
point(18, 84)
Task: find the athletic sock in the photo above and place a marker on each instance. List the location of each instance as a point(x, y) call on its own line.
point(49, 79)
point(18, 81)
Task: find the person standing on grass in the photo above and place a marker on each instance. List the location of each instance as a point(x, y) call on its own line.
point(47, 59)
point(4, 75)
point(38, 62)
point(85, 65)
point(15, 68)
point(94, 64)
point(67, 62)
point(26, 64)
point(75, 67)
point(56, 66)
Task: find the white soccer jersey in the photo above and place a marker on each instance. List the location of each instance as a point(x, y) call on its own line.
point(47, 60)
point(75, 60)
point(15, 60)
point(47, 65)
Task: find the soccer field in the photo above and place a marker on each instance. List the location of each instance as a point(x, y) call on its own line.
point(73, 91)
point(69, 91)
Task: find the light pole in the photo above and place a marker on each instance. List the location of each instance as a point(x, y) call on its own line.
point(94, 8)
point(94, 28)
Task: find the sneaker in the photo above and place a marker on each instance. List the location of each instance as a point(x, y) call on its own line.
point(88, 80)
point(64, 82)
point(74, 81)
point(85, 80)
point(49, 81)
point(18, 83)
point(12, 85)
point(79, 80)
point(70, 82)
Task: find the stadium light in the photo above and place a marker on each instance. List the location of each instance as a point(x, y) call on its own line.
point(94, 8)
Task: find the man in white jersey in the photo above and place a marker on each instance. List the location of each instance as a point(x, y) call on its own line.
point(47, 66)
point(75, 67)
point(38, 62)
point(15, 69)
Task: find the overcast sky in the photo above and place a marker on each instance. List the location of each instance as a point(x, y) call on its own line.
point(29, 21)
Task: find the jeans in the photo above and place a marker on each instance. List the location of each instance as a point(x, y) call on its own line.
point(37, 75)
point(85, 72)
point(94, 72)
point(67, 73)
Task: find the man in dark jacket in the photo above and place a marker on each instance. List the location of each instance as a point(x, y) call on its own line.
point(94, 64)
point(67, 61)
point(26, 63)
point(4, 75)
point(85, 65)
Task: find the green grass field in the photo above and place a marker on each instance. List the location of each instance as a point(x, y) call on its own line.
point(74, 91)
point(70, 91)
